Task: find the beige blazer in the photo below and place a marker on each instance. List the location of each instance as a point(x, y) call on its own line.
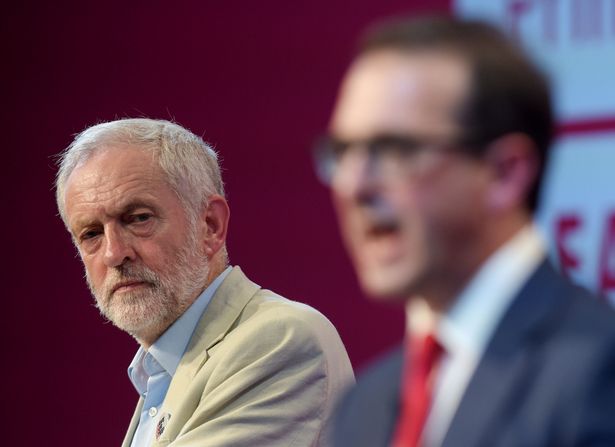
point(259, 370)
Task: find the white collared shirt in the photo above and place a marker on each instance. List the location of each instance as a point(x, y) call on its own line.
point(466, 328)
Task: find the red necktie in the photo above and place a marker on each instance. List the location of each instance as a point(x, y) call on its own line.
point(421, 357)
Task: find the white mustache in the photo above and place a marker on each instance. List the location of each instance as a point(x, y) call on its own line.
point(128, 273)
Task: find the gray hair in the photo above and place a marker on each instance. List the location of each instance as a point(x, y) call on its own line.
point(191, 165)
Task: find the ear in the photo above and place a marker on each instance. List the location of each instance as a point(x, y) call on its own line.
point(513, 162)
point(214, 224)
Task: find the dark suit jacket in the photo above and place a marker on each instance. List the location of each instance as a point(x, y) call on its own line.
point(547, 378)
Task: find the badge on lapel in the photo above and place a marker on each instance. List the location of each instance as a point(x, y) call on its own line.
point(162, 424)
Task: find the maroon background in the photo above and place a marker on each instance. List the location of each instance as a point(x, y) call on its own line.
point(257, 79)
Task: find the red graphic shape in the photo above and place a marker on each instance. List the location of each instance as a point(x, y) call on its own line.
point(607, 257)
point(565, 226)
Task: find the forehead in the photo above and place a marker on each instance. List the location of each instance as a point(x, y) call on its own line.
point(408, 92)
point(112, 178)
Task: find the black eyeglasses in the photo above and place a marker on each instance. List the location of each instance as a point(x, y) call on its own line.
point(390, 152)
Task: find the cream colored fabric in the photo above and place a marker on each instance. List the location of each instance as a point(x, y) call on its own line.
point(260, 370)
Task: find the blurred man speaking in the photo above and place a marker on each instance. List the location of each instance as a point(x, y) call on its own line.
point(222, 362)
point(436, 149)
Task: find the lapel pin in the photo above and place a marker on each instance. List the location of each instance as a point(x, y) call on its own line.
point(162, 424)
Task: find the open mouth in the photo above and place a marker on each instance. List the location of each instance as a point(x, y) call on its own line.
point(382, 229)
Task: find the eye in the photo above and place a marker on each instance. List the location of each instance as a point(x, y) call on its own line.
point(139, 218)
point(338, 148)
point(89, 234)
point(394, 146)
point(330, 149)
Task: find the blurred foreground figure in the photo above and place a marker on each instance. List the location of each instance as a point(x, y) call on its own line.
point(222, 362)
point(435, 155)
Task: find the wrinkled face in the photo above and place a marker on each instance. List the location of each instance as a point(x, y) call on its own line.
point(141, 253)
point(407, 216)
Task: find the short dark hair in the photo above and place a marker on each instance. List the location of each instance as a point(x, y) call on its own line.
point(508, 93)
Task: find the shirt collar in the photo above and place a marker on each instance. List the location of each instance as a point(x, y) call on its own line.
point(469, 323)
point(170, 346)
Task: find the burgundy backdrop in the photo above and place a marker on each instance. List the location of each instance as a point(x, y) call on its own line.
point(256, 79)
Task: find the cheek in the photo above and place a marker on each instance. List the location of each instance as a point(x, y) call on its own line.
point(153, 256)
point(160, 253)
point(467, 198)
point(457, 212)
point(343, 212)
point(95, 270)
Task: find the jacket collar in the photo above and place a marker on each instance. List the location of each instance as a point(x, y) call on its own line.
point(505, 368)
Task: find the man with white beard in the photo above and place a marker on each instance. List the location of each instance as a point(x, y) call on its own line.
point(221, 361)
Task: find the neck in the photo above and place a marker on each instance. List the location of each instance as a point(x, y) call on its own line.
point(442, 288)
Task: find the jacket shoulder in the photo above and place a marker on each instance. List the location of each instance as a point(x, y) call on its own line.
point(367, 413)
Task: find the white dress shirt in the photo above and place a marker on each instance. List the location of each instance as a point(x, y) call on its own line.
point(466, 328)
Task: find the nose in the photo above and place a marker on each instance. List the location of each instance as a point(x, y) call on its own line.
point(356, 177)
point(118, 248)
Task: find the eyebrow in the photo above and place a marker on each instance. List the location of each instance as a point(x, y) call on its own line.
point(124, 209)
point(135, 204)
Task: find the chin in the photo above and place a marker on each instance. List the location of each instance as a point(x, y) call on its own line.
point(386, 287)
point(143, 329)
point(140, 318)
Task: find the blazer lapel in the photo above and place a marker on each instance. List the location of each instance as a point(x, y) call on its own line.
point(391, 392)
point(225, 307)
point(505, 368)
point(134, 422)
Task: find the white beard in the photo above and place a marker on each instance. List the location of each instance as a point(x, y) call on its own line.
point(146, 313)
